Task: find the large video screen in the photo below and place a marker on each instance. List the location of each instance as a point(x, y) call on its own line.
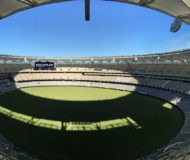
point(44, 65)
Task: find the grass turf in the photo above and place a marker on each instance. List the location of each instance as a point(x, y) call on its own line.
point(159, 120)
point(74, 93)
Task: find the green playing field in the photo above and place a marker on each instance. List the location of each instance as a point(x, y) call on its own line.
point(71, 123)
point(75, 93)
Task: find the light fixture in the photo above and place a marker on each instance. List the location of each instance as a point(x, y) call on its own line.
point(176, 25)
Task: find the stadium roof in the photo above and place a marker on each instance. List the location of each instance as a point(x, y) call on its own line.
point(176, 8)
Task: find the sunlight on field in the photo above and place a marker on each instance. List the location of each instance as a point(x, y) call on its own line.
point(167, 105)
point(45, 123)
point(71, 126)
point(133, 123)
point(69, 93)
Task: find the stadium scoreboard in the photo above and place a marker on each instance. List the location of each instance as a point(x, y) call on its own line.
point(44, 65)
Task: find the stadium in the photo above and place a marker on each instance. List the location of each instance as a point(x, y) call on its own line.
point(100, 107)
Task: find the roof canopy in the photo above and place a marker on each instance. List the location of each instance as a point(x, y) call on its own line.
point(8, 7)
point(176, 8)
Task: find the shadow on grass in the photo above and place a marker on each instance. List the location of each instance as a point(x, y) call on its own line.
point(115, 144)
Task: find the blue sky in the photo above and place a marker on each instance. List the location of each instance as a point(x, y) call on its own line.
point(59, 30)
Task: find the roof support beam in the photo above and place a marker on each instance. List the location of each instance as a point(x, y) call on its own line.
point(146, 2)
point(187, 3)
point(187, 16)
point(29, 2)
point(87, 10)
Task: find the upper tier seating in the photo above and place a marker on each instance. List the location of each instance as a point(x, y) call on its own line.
point(104, 76)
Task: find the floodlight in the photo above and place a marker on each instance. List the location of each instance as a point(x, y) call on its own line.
point(176, 25)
